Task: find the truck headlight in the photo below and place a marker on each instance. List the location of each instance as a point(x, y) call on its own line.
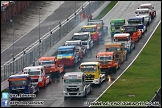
point(108, 66)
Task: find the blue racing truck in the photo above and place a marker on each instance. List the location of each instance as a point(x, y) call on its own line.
point(20, 86)
point(67, 56)
point(141, 21)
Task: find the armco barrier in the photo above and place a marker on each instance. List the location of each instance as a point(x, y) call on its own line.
point(56, 35)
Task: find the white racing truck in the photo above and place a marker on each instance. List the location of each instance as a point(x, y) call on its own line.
point(85, 38)
point(126, 40)
point(146, 13)
point(75, 85)
point(78, 45)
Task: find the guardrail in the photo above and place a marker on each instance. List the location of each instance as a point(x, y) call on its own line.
point(36, 50)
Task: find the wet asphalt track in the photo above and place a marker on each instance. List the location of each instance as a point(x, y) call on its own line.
point(52, 95)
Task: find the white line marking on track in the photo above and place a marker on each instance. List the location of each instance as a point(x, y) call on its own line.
point(129, 64)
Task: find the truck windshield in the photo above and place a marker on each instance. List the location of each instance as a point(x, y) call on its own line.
point(65, 52)
point(34, 73)
point(117, 23)
point(126, 39)
point(88, 29)
point(134, 21)
point(17, 81)
point(46, 62)
point(88, 69)
point(72, 44)
point(145, 7)
point(107, 58)
point(129, 29)
point(72, 81)
point(142, 12)
point(81, 37)
point(110, 49)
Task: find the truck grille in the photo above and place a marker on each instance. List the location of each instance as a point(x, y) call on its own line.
point(104, 62)
point(72, 93)
point(72, 89)
point(34, 80)
point(18, 91)
point(89, 77)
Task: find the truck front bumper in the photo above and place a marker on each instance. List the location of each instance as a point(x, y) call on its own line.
point(95, 81)
point(74, 94)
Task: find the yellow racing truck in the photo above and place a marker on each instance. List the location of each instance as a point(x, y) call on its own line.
point(118, 49)
point(92, 72)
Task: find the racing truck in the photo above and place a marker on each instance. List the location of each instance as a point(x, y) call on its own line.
point(51, 66)
point(85, 38)
point(108, 63)
point(95, 35)
point(134, 31)
point(149, 6)
point(21, 84)
point(67, 56)
point(103, 30)
point(140, 21)
point(92, 72)
point(75, 85)
point(146, 13)
point(118, 49)
point(116, 26)
point(81, 50)
point(37, 75)
point(126, 40)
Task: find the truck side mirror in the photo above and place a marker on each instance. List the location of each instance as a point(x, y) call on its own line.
point(96, 56)
point(79, 67)
point(152, 7)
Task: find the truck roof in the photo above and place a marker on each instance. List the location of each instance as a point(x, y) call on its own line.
point(74, 73)
point(89, 26)
point(19, 76)
point(105, 53)
point(143, 9)
point(87, 63)
point(121, 34)
point(113, 44)
point(135, 18)
point(146, 4)
point(64, 47)
point(73, 41)
point(47, 58)
point(81, 33)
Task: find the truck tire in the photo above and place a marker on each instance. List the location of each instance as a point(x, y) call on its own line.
point(65, 98)
point(85, 94)
point(37, 90)
point(44, 83)
point(114, 70)
point(155, 14)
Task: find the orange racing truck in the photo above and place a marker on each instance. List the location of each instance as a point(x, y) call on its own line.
point(133, 30)
point(108, 63)
point(118, 49)
point(51, 66)
point(95, 35)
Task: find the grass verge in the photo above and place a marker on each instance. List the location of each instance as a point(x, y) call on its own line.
point(142, 78)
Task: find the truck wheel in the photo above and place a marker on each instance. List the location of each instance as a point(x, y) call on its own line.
point(155, 14)
point(118, 66)
point(85, 95)
point(37, 90)
point(114, 70)
point(44, 84)
point(65, 98)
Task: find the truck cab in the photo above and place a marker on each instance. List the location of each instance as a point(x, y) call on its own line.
point(93, 31)
point(51, 66)
point(67, 56)
point(146, 13)
point(140, 21)
point(21, 84)
point(75, 85)
point(37, 75)
point(85, 38)
point(116, 26)
point(92, 72)
point(149, 6)
point(134, 31)
point(118, 49)
point(79, 48)
point(126, 40)
point(103, 30)
point(107, 62)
